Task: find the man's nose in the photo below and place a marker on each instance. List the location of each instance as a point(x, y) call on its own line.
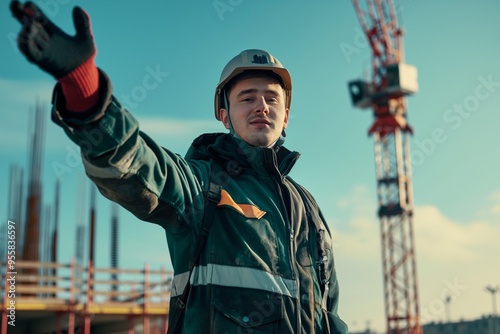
point(262, 106)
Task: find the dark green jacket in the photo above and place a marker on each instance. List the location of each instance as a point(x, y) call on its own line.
point(257, 273)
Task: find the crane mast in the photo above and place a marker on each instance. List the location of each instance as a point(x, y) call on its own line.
point(391, 81)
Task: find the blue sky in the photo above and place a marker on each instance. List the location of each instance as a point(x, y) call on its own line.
point(455, 114)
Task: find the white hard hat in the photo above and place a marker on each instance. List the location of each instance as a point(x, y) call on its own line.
point(250, 60)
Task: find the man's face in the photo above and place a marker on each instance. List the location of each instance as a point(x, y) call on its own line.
point(257, 111)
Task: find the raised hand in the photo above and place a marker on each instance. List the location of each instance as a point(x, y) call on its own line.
point(46, 45)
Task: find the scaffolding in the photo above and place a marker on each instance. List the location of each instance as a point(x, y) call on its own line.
point(68, 302)
point(40, 295)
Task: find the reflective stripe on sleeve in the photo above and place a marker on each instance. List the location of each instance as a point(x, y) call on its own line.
point(238, 277)
point(115, 171)
point(179, 283)
point(110, 172)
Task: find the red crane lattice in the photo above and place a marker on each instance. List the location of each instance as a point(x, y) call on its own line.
point(391, 81)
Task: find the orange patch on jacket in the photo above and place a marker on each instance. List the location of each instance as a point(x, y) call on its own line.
point(247, 210)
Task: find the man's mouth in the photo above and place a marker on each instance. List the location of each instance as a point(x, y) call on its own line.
point(260, 121)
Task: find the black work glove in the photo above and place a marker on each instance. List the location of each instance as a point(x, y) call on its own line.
point(47, 46)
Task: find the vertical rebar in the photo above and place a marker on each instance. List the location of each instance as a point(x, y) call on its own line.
point(32, 236)
point(114, 246)
point(92, 239)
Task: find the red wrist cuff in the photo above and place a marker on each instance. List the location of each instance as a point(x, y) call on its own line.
point(81, 86)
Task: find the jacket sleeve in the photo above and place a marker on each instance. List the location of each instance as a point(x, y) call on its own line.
point(337, 325)
point(128, 167)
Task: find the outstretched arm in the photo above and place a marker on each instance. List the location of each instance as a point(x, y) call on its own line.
point(128, 167)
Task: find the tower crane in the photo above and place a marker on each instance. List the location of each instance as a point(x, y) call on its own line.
point(391, 81)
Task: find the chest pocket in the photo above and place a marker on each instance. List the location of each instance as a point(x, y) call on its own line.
point(248, 310)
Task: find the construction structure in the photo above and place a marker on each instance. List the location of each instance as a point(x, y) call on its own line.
point(40, 295)
point(69, 302)
point(391, 81)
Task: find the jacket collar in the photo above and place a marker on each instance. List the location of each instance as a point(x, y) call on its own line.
point(237, 155)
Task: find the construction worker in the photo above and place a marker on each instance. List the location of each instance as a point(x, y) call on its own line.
point(250, 248)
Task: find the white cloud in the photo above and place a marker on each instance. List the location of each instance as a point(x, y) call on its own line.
point(358, 197)
point(360, 237)
point(21, 93)
point(496, 209)
point(18, 102)
point(495, 199)
point(174, 134)
point(445, 241)
point(453, 258)
point(169, 127)
point(456, 259)
point(19, 98)
point(177, 134)
point(495, 196)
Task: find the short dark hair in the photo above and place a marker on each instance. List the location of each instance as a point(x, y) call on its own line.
point(252, 74)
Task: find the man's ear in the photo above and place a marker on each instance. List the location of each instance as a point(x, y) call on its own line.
point(224, 117)
point(285, 122)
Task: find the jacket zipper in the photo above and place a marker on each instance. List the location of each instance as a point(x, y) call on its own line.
point(293, 262)
point(272, 165)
